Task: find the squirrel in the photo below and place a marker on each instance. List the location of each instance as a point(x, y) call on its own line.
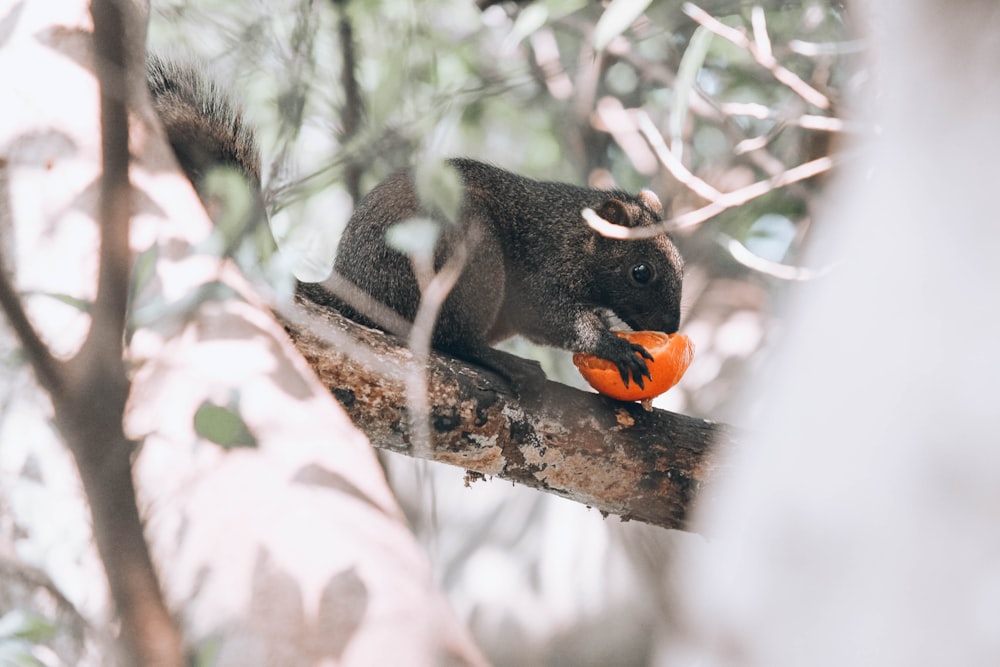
point(537, 269)
point(534, 267)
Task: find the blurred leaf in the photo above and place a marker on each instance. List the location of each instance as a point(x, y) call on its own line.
point(616, 19)
point(26, 625)
point(440, 187)
point(230, 202)
point(144, 268)
point(143, 271)
point(9, 22)
point(536, 15)
point(687, 76)
point(150, 309)
point(530, 19)
point(207, 652)
point(80, 304)
point(222, 425)
point(560, 8)
point(415, 237)
point(389, 86)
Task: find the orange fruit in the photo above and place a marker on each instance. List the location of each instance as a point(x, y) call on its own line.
point(672, 354)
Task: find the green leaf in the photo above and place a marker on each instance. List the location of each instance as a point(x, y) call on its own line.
point(232, 202)
point(222, 425)
point(207, 652)
point(26, 625)
point(529, 19)
point(415, 237)
point(440, 187)
point(616, 19)
point(144, 268)
point(80, 304)
point(536, 15)
point(687, 76)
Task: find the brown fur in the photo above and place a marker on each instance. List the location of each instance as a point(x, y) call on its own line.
point(537, 269)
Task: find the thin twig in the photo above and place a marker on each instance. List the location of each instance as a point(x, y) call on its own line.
point(104, 340)
point(47, 368)
point(434, 289)
point(725, 201)
point(764, 59)
point(805, 121)
point(670, 161)
point(746, 257)
point(758, 21)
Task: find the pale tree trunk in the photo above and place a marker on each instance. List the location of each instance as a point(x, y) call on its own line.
point(292, 551)
point(859, 526)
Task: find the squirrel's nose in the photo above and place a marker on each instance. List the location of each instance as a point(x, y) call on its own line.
point(670, 322)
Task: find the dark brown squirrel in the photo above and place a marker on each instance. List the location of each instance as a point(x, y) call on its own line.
point(536, 268)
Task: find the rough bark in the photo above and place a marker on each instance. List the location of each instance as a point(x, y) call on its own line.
point(613, 456)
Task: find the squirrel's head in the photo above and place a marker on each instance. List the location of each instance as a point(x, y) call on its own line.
point(639, 280)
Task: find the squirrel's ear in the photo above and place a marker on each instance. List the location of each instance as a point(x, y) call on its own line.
point(614, 211)
point(652, 202)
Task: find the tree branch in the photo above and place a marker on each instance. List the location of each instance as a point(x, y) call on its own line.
point(47, 368)
point(90, 413)
point(615, 457)
point(352, 112)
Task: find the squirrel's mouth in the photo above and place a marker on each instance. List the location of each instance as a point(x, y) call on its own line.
point(618, 322)
point(613, 320)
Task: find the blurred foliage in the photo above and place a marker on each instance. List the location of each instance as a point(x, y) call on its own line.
point(557, 89)
point(565, 90)
point(223, 425)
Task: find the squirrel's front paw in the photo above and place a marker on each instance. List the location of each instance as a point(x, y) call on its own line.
point(630, 358)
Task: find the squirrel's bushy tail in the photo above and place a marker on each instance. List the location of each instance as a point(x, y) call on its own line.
point(204, 128)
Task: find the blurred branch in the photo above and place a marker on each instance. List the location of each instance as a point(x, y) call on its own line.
point(434, 289)
point(805, 121)
point(721, 203)
point(752, 191)
point(47, 368)
point(760, 50)
point(89, 391)
point(92, 421)
point(672, 162)
point(744, 256)
point(609, 455)
point(353, 110)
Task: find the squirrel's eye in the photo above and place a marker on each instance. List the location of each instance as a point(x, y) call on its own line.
point(642, 273)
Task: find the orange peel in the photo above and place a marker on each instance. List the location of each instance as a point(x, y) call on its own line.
point(672, 354)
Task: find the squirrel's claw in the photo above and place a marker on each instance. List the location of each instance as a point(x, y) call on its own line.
point(633, 367)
